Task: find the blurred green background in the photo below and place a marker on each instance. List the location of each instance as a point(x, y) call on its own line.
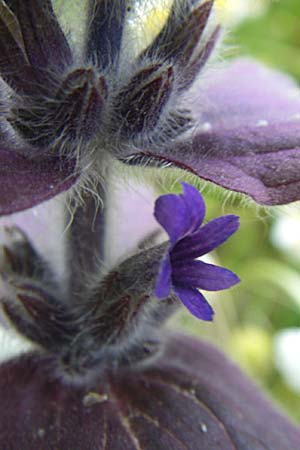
point(258, 322)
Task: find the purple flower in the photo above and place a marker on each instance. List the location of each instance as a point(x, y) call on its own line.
point(182, 216)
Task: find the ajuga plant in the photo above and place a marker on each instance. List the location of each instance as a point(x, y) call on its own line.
point(102, 372)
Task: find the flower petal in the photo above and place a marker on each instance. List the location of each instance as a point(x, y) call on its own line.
point(195, 302)
point(247, 137)
point(207, 238)
point(201, 275)
point(26, 182)
point(171, 213)
point(163, 282)
point(180, 214)
point(195, 205)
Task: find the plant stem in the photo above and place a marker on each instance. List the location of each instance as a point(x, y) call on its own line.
point(86, 240)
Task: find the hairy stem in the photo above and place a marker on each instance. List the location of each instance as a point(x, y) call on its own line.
point(86, 243)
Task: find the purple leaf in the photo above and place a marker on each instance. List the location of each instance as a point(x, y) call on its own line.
point(74, 111)
point(15, 69)
point(31, 42)
point(44, 40)
point(105, 30)
point(192, 397)
point(26, 182)
point(143, 99)
point(247, 133)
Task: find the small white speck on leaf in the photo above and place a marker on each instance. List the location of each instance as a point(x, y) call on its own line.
point(93, 398)
point(203, 427)
point(206, 127)
point(262, 123)
point(41, 432)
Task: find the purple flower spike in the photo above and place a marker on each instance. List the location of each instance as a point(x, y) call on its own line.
point(181, 216)
point(54, 105)
point(237, 128)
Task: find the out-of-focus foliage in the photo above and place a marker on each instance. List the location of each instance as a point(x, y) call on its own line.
point(250, 317)
point(274, 37)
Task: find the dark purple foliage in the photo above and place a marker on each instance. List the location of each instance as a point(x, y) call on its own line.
point(44, 40)
point(31, 43)
point(247, 133)
point(104, 375)
point(237, 127)
point(190, 398)
point(149, 90)
point(182, 216)
point(105, 31)
point(27, 182)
